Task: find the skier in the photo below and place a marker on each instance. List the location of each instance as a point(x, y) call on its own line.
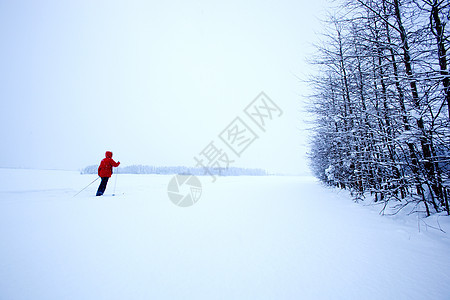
point(105, 171)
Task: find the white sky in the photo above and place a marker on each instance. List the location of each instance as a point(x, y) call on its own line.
point(154, 82)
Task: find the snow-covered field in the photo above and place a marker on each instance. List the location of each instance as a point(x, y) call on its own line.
point(246, 238)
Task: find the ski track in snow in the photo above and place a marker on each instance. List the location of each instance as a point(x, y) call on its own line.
point(246, 238)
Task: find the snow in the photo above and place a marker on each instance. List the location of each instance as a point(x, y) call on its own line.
point(246, 238)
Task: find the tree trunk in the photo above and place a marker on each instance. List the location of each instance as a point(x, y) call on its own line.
point(424, 141)
point(438, 30)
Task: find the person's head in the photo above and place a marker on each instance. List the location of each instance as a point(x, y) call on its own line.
point(109, 154)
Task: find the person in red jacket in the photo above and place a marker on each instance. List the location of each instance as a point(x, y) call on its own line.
point(105, 171)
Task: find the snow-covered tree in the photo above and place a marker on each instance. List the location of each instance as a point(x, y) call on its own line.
point(381, 100)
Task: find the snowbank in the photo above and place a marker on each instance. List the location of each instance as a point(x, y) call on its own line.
point(246, 238)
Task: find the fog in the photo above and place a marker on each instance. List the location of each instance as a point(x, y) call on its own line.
point(154, 82)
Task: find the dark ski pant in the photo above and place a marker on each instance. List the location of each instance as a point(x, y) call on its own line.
point(102, 186)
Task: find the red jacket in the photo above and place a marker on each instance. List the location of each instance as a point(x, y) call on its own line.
point(106, 165)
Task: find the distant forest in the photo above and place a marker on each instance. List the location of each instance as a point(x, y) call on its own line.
point(144, 169)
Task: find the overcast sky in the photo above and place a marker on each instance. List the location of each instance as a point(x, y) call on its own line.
point(153, 81)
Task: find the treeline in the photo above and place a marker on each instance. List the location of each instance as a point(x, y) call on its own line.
point(381, 100)
point(144, 169)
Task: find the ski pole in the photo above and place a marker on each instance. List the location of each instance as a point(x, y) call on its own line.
point(115, 182)
point(86, 187)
